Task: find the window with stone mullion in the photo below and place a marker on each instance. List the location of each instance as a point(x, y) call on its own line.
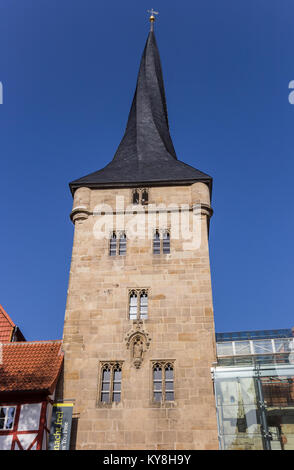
point(112, 245)
point(122, 244)
point(111, 383)
point(166, 242)
point(163, 382)
point(106, 384)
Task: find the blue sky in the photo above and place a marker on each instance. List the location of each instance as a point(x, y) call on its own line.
point(69, 69)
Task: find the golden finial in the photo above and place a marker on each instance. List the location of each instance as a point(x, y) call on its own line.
point(152, 17)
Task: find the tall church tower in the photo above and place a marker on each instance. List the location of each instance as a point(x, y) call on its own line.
point(139, 330)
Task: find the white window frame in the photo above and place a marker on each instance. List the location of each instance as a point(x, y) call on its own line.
point(6, 417)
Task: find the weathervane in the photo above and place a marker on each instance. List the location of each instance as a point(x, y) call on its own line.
point(152, 17)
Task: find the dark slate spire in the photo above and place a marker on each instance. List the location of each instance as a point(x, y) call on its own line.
point(146, 155)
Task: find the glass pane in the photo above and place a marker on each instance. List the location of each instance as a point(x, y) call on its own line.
point(117, 386)
point(10, 417)
point(133, 306)
point(156, 243)
point(169, 386)
point(224, 349)
point(122, 247)
point(117, 375)
point(143, 306)
point(241, 442)
point(112, 249)
point(144, 197)
point(157, 396)
point(2, 423)
point(157, 386)
point(262, 346)
point(157, 373)
point(106, 375)
point(242, 347)
point(166, 243)
point(116, 396)
point(282, 345)
point(105, 386)
point(105, 397)
point(169, 396)
point(169, 373)
point(136, 197)
point(2, 412)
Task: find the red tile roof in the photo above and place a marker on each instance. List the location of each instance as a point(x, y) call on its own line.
point(30, 366)
point(6, 326)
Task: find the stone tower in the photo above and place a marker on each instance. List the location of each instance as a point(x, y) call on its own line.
point(139, 329)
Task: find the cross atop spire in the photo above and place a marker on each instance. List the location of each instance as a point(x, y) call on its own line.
point(152, 18)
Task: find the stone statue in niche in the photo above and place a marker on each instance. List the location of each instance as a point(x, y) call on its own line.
point(138, 349)
point(138, 341)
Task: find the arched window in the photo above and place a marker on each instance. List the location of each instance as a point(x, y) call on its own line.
point(112, 245)
point(156, 243)
point(116, 389)
point(136, 197)
point(169, 382)
point(144, 305)
point(110, 382)
point(133, 308)
point(145, 196)
point(163, 381)
point(166, 242)
point(122, 244)
point(105, 386)
point(157, 382)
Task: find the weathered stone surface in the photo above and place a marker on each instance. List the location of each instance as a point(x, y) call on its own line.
point(180, 324)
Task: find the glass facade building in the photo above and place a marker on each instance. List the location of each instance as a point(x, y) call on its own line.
point(254, 390)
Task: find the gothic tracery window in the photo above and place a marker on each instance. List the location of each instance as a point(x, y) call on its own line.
point(163, 381)
point(140, 196)
point(112, 245)
point(161, 242)
point(122, 244)
point(138, 304)
point(156, 243)
point(110, 390)
point(118, 244)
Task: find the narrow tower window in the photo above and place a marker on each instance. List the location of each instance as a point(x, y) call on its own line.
point(157, 382)
point(133, 305)
point(144, 196)
point(163, 381)
point(122, 244)
point(156, 243)
point(138, 304)
point(140, 196)
point(144, 305)
point(161, 242)
point(116, 394)
point(166, 242)
point(169, 382)
point(118, 244)
point(105, 386)
point(111, 382)
point(136, 197)
point(112, 245)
